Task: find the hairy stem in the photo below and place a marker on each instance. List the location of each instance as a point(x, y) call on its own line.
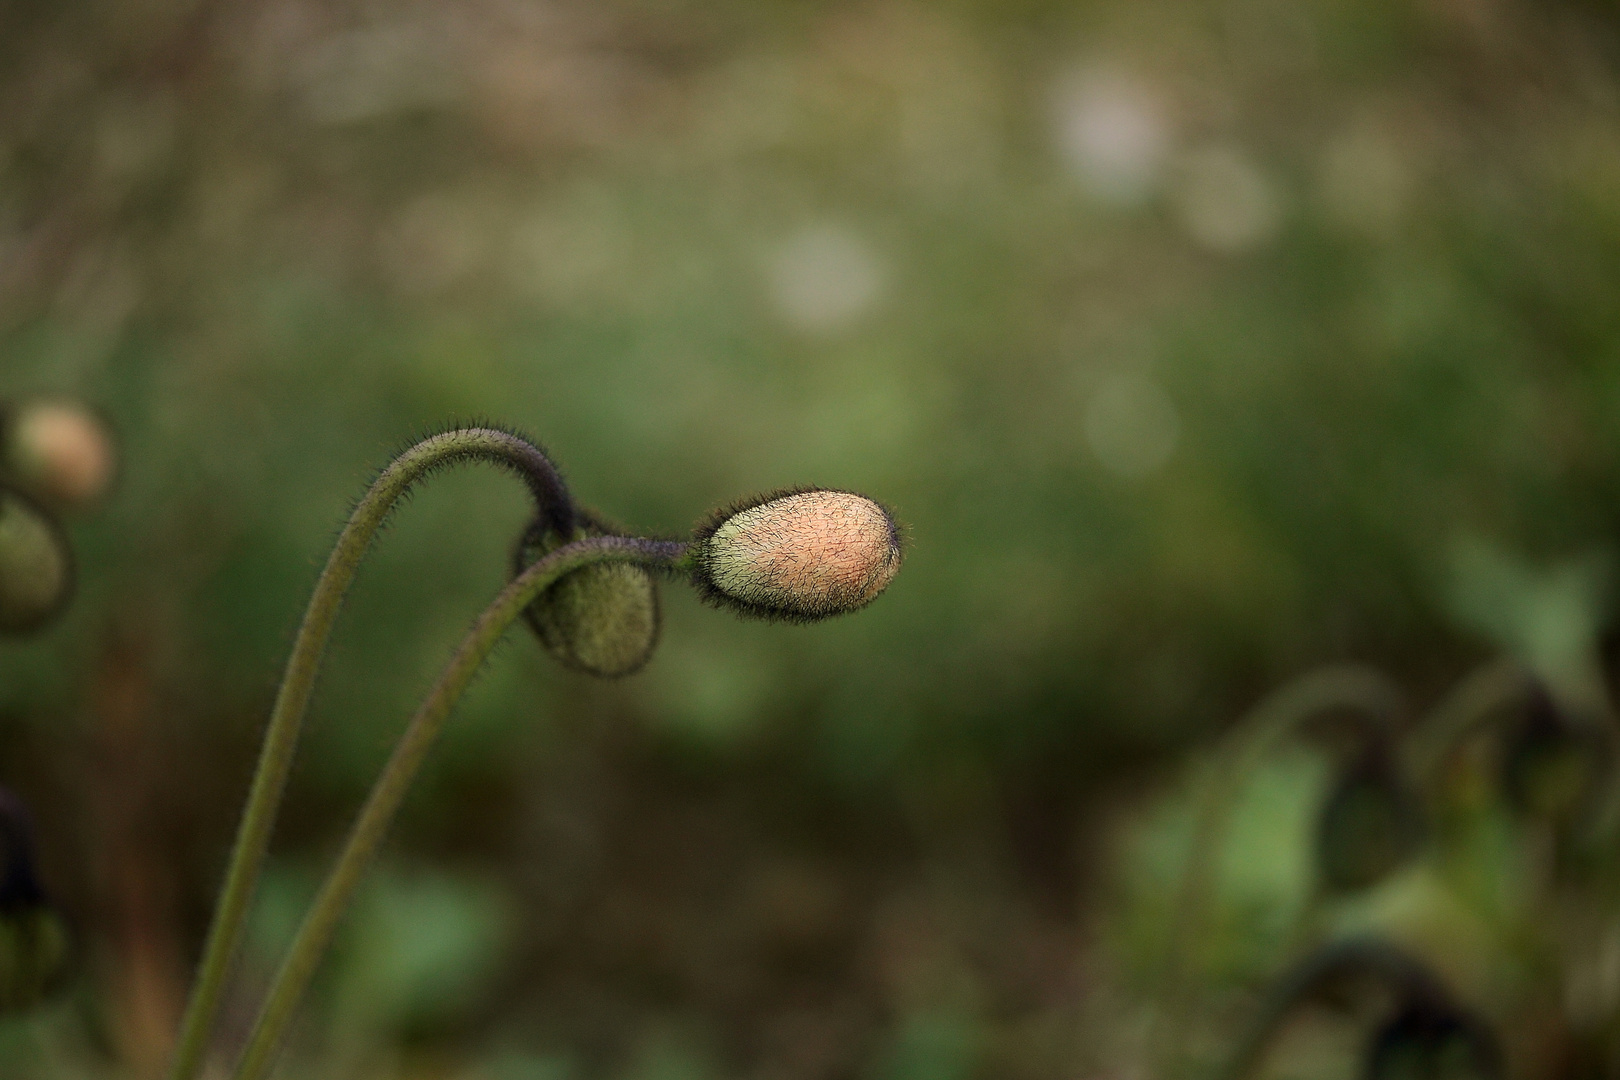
point(1254, 736)
point(389, 791)
point(298, 682)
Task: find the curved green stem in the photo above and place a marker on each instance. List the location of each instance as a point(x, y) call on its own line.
point(1254, 736)
point(389, 791)
point(298, 682)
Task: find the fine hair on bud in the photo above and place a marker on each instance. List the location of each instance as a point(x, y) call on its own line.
point(36, 565)
point(60, 451)
point(797, 555)
point(601, 619)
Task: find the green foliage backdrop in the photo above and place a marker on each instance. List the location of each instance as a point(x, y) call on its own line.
point(1190, 341)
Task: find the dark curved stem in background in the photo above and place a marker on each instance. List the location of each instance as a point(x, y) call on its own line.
point(1350, 686)
point(1482, 694)
point(553, 506)
point(19, 888)
point(1414, 984)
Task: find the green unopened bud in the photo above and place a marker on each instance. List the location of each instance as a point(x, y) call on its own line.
point(600, 619)
point(1369, 826)
point(59, 451)
point(1432, 1042)
point(798, 555)
point(36, 565)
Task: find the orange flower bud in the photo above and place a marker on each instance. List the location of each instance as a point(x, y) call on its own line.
point(798, 555)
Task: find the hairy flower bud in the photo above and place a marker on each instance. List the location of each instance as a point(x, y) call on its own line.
point(36, 565)
point(600, 619)
point(798, 555)
point(1369, 826)
point(58, 451)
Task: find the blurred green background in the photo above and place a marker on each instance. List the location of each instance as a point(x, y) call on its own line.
point(1195, 344)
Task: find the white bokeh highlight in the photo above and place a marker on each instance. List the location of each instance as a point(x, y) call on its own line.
point(825, 278)
point(1113, 131)
point(1225, 202)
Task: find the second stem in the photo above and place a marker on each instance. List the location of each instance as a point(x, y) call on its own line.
point(389, 791)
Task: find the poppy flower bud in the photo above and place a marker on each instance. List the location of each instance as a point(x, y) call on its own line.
point(1430, 1041)
point(36, 565)
point(1551, 765)
point(798, 555)
point(34, 943)
point(1369, 825)
point(602, 619)
point(58, 451)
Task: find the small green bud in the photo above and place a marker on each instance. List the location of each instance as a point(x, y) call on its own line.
point(1369, 826)
point(59, 451)
point(36, 565)
point(798, 555)
point(600, 619)
point(1426, 1041)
